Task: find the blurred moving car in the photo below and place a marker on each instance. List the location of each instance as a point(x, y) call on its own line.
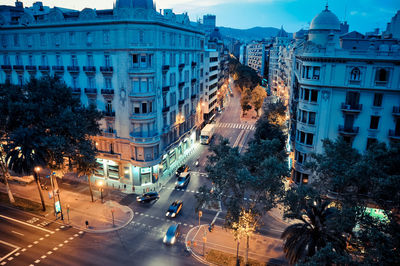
point(172, 234)
point(148, 197)
point(183, 180)
point(183, 168)
point(174, 209)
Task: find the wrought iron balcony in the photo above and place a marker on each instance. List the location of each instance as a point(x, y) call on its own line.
point(352, 108)
point(6, 67)
point(165, 68)
point(73, 68)
point(89, 68)
point(106, 69)
point(58, 68)
point(348, 130)
point(181, 102)
point(194, 96)
point(165, 89)
point(90, 90)
point(194, 64)
point(30, 68)
point(44, 68)
point(165, 109)
point(76, 90)
point(107, 91)
point(181, 84)
point(18, 67)
point(194, 80)
point(181, 66)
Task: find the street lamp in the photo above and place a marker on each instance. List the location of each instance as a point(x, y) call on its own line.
point(100, 184)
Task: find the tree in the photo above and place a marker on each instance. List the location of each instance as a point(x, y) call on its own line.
point(257, 98)
point(276, 113)
point(24, 151)
point(245, 100)
point(303, 240)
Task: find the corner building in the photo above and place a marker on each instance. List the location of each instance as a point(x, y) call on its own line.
point(138, 66)
point(343, 85)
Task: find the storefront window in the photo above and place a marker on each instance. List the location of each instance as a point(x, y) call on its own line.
point(99, 170)
point(145, 176)
point(172, 157)
point(113, 172)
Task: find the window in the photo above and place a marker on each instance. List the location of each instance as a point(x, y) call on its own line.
point(106, 37)
point(305, 138)
point(16, 40)
point(135, 60)
point(165, 120)
point(90, 60)
point(74, 60)
point(187, 58)
point(186, 93)
point(44, 60)
point(374, 122)
point(109, 108)
point(300, 157)
point(314, 96)
point(58, 60)
point(141, 36)
point(75, 82)
point(355, 74)
point(378, 99)
point(186, 75)
point(172, 59)
point(172, 79)
point(72, 38)
point(172, 98)
point(107, 60)
point(29, 40)
point(352, 98)
point(56, 39)
point(89, 38)
point(304, 116)
point(310, 138)
point(143, 61)
point(4, 40)
point(91, 83)
point(18, 59)
point(316, 72)
point(31, 60)
point(163, 58)
point(136, 108)
point(107, 82)
point(42, 39)
point(382, 75)
point(311, 118)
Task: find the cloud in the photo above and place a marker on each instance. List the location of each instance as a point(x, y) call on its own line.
point(209, 3)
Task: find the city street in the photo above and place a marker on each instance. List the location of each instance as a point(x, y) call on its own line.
point(29, 240)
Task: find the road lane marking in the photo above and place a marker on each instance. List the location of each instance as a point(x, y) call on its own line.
point(43, 257)
point(47, 235)
point(29, 246)
point(66, 241)
point(49, 253)
point(60, 245)
point(56, 248)
point(62, 226)
point(71, 238)
point(17, 254)
point(17, 233)
point(10, 258)
point(57, 229)
point(35, 242)
point(3, 263)
point(76, 235)
point(24, 223)
point(23, 250)
point(37, 261)
point(41, 238)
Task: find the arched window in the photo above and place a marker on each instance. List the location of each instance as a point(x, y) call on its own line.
point(355, 74)
point(382, 75)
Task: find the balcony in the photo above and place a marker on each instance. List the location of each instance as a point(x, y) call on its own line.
point(181, 102)
point(194, 96)
point(393, 134)
point(165, 68)
point(6, 67)
point(89, 69)
point(44, 68)
point(107, 91)
point(91, 91)
point(381, 83)
point(58, 68)
point(31, 68)
point(144, 116)
point(194, 64)
point(109, 113)
point(181, 84)
point(141, 70)
point(153, 138)
point(165, 89)
point(18, 67)
point(73, 69)
point(351, 131)
point(396, 111)
point(351, 108)
point(194, 80)
point(165, 109)
point(76, 91)
point(181, 66)
point(109, 134)
point(107, 69)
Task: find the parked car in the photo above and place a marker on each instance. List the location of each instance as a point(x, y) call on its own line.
point(174, 209)
point(183, 168)
point(172, 234)
point(183, 180)
point(148, 197)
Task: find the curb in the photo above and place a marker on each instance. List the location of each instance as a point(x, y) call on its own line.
point(197, 257)
point(102, 231)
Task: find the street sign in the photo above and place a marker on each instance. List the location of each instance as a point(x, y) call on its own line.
point(58, 206)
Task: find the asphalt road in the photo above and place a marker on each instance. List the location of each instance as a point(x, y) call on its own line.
point(29, 240)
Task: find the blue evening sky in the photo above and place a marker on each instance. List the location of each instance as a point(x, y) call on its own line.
point(362, 15)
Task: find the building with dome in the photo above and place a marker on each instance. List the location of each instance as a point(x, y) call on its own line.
point(139, 66)
point(341, 85)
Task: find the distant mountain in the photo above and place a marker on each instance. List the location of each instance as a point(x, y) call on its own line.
point(257, 33)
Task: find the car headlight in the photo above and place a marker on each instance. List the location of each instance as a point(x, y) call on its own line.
point(167, 214)
point(173, 240)
point(176, 173)
point(165, 239)
point(176, 183)
point(173, 215)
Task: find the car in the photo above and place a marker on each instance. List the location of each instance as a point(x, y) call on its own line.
point(172, 234)
point(182, 169)
point(174, 209)
point(148, 197)
point(183, 180)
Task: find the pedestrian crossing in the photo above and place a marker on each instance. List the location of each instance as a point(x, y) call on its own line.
point(237, 126)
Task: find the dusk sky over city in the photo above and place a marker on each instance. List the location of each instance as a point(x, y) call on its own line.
point(362, 15)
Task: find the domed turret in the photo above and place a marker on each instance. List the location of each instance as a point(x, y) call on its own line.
point(324, 29)
point(146, 4)
point(325, 20)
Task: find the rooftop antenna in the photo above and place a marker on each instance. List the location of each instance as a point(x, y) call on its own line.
point(327, 5)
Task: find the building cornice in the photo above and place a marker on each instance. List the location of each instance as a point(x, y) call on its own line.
point(344, 60)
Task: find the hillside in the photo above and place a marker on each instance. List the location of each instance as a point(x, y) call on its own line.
point(257, 33)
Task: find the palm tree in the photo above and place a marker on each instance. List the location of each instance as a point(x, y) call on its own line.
point(303, 240)
point(24, 152)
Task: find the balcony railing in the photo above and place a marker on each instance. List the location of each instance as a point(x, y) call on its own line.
point(107, 91)
point(181, 66)
point(194, 80)
point(109, 134)
point(153, 138)
point(348, 130)
point(44, 68)
point(109, 113)
point(58, 68)
point(194, 96)
point(381, 83)
point(394, 134)
point(165, 109)
point(354, 108)
point(73, 68)
point(6, 67)
point(76, 90)
point(194, 64)
point(30, 68)
point(181, 102)
point(89, 68)
point(396, 110)
point(106, 69)
point(90, 90)
point(181, 84)
point(18, 67)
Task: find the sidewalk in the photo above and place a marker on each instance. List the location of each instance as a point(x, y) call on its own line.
point(264, 250)
point(76, 196)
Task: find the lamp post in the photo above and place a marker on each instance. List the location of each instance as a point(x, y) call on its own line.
point(37, 170)
point(100, 184)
